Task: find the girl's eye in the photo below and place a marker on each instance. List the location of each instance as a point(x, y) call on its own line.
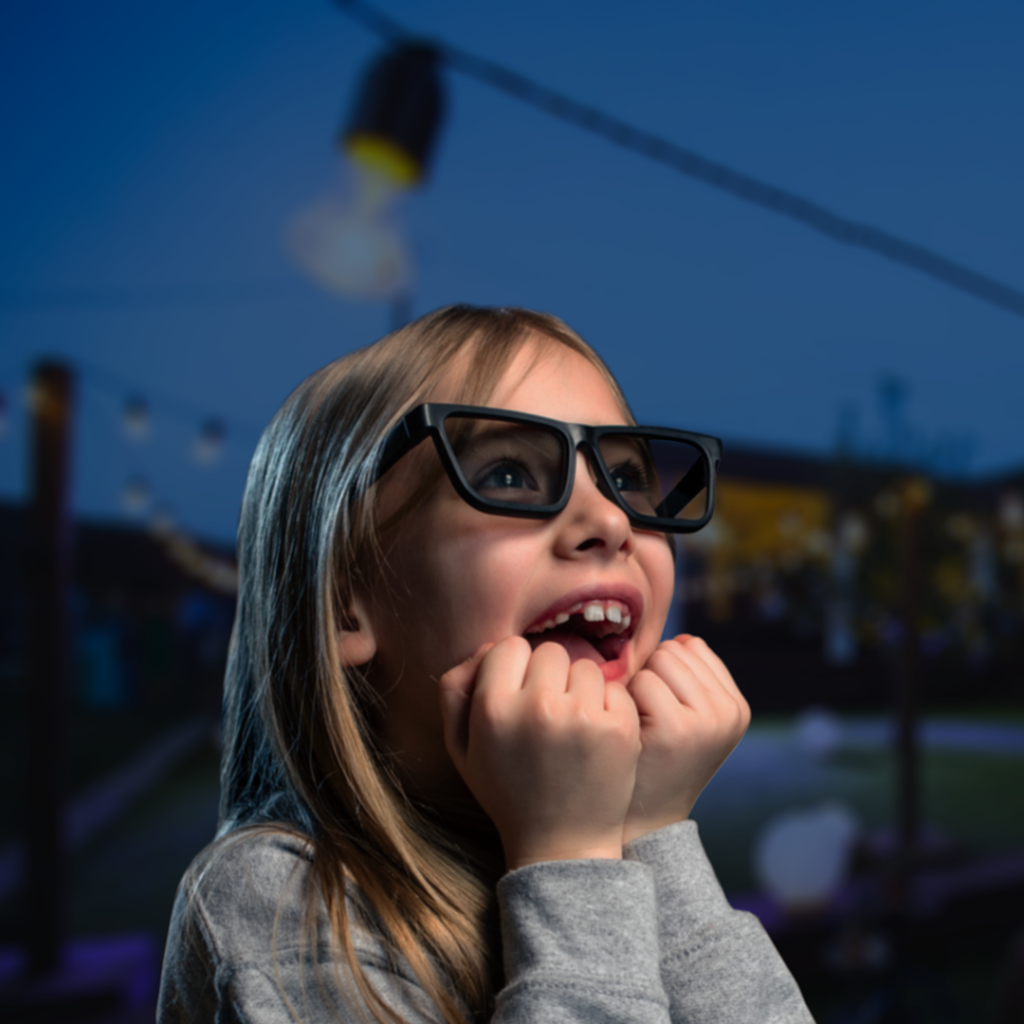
point(629, 476)
point(507, 475)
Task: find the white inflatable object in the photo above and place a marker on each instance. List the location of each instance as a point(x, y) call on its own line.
point(801, 857)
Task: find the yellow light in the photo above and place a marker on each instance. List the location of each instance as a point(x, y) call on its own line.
point(383, 158)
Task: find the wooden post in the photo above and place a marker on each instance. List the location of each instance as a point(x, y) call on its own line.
point(51, 639)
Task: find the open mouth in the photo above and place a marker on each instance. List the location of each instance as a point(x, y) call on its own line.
point(595, 630)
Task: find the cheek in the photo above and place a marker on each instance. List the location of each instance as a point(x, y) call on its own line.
point(661, 574)
point(451, 588)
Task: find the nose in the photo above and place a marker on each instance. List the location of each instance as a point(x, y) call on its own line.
point(591, 521)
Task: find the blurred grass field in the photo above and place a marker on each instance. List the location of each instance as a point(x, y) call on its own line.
point(125, 879)
point(974, 800)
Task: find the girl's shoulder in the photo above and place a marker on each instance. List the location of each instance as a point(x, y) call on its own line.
point(246, 886)
point(247, 910)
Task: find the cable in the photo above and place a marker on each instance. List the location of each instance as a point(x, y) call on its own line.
point(184, 411)
point(685, 161)
point(77, 300)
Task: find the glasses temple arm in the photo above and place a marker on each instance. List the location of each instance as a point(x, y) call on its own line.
point(399, 441)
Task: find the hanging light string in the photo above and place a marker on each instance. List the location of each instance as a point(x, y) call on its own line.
point(685, 161)
point(215, 570)
point(175, 296)
point(181, 409)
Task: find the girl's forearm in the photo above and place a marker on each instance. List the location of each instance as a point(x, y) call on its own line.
point(716, 963)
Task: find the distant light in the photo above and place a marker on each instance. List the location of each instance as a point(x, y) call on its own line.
point(854, 535)
point(887, 504)
point(961, 526)
point(791, 524)
point(818, 543)
point(210, 442)
point(136, 495)
point(135, 418)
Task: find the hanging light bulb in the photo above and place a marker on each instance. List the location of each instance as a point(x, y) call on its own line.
point(136, 494)
point(135, 418)
point(210, 441)
point(350, 241)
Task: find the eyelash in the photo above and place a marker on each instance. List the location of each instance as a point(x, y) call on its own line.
point(633, 470)
point(505, 460)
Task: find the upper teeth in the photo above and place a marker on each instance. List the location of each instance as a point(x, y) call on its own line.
point(592, 611)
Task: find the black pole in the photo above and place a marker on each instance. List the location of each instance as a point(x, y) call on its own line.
point(51, 575)
point(915, 496)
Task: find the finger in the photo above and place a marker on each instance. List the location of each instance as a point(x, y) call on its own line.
point(723, 674)
point(586, 681)
point(652, 696)
point(688, 678)
point(455, 691)
point(716, 691)
point(503, 669)
point(620, 705)
point(699, 647)
point(548, 670)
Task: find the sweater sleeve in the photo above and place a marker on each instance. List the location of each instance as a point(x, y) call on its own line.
point(718, 965)
point(580, 943)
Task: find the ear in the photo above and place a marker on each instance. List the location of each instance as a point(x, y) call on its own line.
point(357, 642)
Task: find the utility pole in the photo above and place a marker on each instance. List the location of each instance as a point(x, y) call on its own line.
point(915, 495)
point(51, 560)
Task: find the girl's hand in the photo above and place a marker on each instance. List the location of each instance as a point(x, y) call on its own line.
point(692, 715)
point(548, 749)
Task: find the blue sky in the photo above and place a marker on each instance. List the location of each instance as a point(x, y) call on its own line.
point(153, 154)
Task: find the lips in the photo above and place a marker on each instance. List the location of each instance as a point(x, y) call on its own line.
point(593, 623)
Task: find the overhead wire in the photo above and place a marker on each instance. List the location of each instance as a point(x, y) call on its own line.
point(718, 175)
point(88, 300)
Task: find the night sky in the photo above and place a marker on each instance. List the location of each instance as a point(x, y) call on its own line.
point(154, 152)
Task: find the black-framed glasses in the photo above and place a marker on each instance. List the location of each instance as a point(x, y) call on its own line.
point(513, 464)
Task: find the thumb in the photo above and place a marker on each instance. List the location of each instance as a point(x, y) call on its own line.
point(455, 689)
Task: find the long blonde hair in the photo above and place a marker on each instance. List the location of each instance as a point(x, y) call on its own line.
point(300, 751)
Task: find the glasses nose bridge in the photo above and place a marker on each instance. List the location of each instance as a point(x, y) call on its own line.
point(582, 437)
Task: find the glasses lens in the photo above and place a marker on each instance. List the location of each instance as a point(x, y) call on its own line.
point(506, 461)
point(659, 478)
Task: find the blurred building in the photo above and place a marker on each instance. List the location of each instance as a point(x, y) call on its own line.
point(152, 616)
point(800, 580)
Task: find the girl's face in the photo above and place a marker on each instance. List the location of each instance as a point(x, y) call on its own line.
point(457, 578)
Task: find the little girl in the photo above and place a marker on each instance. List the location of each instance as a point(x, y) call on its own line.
point(459, 761)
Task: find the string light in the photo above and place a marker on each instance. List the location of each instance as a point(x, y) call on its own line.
point(693, 165)
point(210, 442)
point(135, 418)
point(217, 573)
point(350, 241)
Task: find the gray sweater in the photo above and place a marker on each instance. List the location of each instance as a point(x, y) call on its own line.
point(650, 939)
